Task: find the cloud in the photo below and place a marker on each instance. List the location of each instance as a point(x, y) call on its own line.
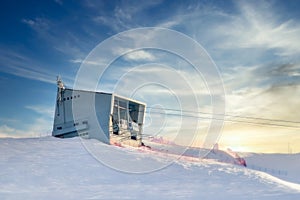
point(40, 127)
point(260, 27)
point(287, 69)
point(78, 60)
point(6, 129)
point(140, 55)
point(267, 90)
point(23, 66)
point(47, 111)
point(249, 33)
point(60, 2)
point(17, 63)
point(38, 24)
point(281, 101)
point(193, 18)
point(259, 138)
point(126, 14)
point(272, 101)
point(68, 42)
point(8, 120)
point(28, 22)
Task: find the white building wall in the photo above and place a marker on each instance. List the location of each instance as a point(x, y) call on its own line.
point(83, 112)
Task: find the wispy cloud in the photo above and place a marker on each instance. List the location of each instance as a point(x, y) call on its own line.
point(260, 27)
point(67, 42)
point(60, 2)
point(268, 90)
point(251, 32)
point(18, 63)
point(4, 120)
point(43, 110)
point(23, 66)
point(241, 42)
point(38, 24)
point(125, 15)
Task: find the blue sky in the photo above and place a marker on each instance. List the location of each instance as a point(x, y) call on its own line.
point(255, 45)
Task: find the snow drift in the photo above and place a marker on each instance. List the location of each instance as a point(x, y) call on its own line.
point(51, 168)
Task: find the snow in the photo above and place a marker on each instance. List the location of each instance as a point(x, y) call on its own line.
point(51, 168)
point(283, 166)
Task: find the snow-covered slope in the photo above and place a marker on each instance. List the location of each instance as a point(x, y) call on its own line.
point(283, 166)
point(50, 168)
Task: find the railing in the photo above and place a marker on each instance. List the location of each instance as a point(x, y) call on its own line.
point(269, 170)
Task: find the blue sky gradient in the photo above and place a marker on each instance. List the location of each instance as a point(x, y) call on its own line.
point(255, 45)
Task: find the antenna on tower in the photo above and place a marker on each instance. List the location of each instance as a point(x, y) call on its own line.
point(60, 87)
point(60, 83)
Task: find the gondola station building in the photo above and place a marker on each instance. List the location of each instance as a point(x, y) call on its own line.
point(107, 117)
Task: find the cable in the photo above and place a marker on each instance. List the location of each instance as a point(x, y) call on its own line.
point(236, 116)
point(239, 121)
point(272, 121)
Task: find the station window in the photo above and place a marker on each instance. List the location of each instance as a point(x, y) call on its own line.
point(67, 98)
point(71, 97)
point(59, 128)
point(64, 99)
point(78, 96)
point(83, 134)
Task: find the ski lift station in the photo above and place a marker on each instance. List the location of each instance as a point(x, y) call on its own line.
point(107, 117)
